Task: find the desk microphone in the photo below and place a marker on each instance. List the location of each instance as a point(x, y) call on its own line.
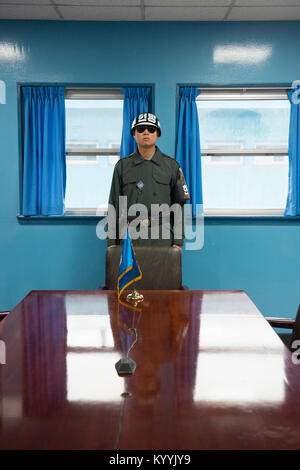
point(126, 366)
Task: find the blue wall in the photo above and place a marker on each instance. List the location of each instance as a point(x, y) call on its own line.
point(261, 258)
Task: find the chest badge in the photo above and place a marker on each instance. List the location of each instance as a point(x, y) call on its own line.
point(140, 185)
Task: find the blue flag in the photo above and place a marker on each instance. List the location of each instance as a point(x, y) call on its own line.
point(129, 270)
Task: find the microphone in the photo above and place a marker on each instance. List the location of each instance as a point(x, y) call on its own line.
point(126, 366)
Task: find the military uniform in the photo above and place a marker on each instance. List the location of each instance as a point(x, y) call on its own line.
point(155, 181)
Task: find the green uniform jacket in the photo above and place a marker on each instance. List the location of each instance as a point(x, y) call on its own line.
point(148, 182)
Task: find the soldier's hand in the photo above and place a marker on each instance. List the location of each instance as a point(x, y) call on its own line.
point(177, 246)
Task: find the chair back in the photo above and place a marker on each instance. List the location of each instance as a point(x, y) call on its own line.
point(160, 266)
point(296, 330)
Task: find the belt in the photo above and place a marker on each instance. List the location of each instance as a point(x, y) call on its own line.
point(145, 223)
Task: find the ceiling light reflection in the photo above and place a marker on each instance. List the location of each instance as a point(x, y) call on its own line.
point(11, 52)
point(243, 55)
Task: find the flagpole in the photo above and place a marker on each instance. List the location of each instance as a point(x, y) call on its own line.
point(135, 296)
point(129, 271)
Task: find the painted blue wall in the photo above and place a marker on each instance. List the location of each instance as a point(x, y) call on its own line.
point(261, 258)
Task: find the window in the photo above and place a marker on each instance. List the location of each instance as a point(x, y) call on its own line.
point(244, 147)
point(94, 118)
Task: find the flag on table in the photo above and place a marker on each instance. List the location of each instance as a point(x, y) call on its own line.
point(129, 270)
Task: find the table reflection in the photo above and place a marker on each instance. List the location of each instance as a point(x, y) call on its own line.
point(239, 379)
point(91, 352)
point(233, 366)
point(72, 344)
point(210, 373)
point(70, 353)
point(89, 331)
point(161, 335)
point(45, 345)
point(92, 377)
point(89, 304)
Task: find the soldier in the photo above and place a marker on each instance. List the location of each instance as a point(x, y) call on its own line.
point(147, 177)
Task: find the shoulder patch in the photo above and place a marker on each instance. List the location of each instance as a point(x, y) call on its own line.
point(184, 185)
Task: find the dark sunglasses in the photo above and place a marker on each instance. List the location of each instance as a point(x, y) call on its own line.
point(142, 129)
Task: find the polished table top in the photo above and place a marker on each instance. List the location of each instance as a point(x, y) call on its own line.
point(210, 374)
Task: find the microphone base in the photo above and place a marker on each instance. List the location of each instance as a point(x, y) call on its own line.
point(125, 366)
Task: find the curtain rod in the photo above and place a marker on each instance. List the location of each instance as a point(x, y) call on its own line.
point(247, 88)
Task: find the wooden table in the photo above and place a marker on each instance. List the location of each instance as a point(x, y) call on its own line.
point(211, 374)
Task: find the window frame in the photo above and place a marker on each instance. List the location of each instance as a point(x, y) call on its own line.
point(91, 93)
point(243, 93)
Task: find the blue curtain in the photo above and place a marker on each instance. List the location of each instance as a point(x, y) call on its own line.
point(293, 199)
point(44, 161)
point(188, 152)
point(136, 101)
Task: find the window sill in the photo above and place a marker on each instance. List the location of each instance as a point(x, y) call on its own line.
point(214, 219)
point(251, 218)
point(59, 219)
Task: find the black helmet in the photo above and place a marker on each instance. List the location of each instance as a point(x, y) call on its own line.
point(146, 119)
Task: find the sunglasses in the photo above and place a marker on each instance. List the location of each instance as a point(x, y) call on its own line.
point(142, 129)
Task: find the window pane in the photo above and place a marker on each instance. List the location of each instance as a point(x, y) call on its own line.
point(245, 185)
point(244, 182)
point(88, 185)
point(248, 122)
point(94, 124)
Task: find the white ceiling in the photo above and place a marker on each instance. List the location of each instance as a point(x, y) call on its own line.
point(151, 10)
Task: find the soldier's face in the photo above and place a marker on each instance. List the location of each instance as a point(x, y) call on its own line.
point(146, 139)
